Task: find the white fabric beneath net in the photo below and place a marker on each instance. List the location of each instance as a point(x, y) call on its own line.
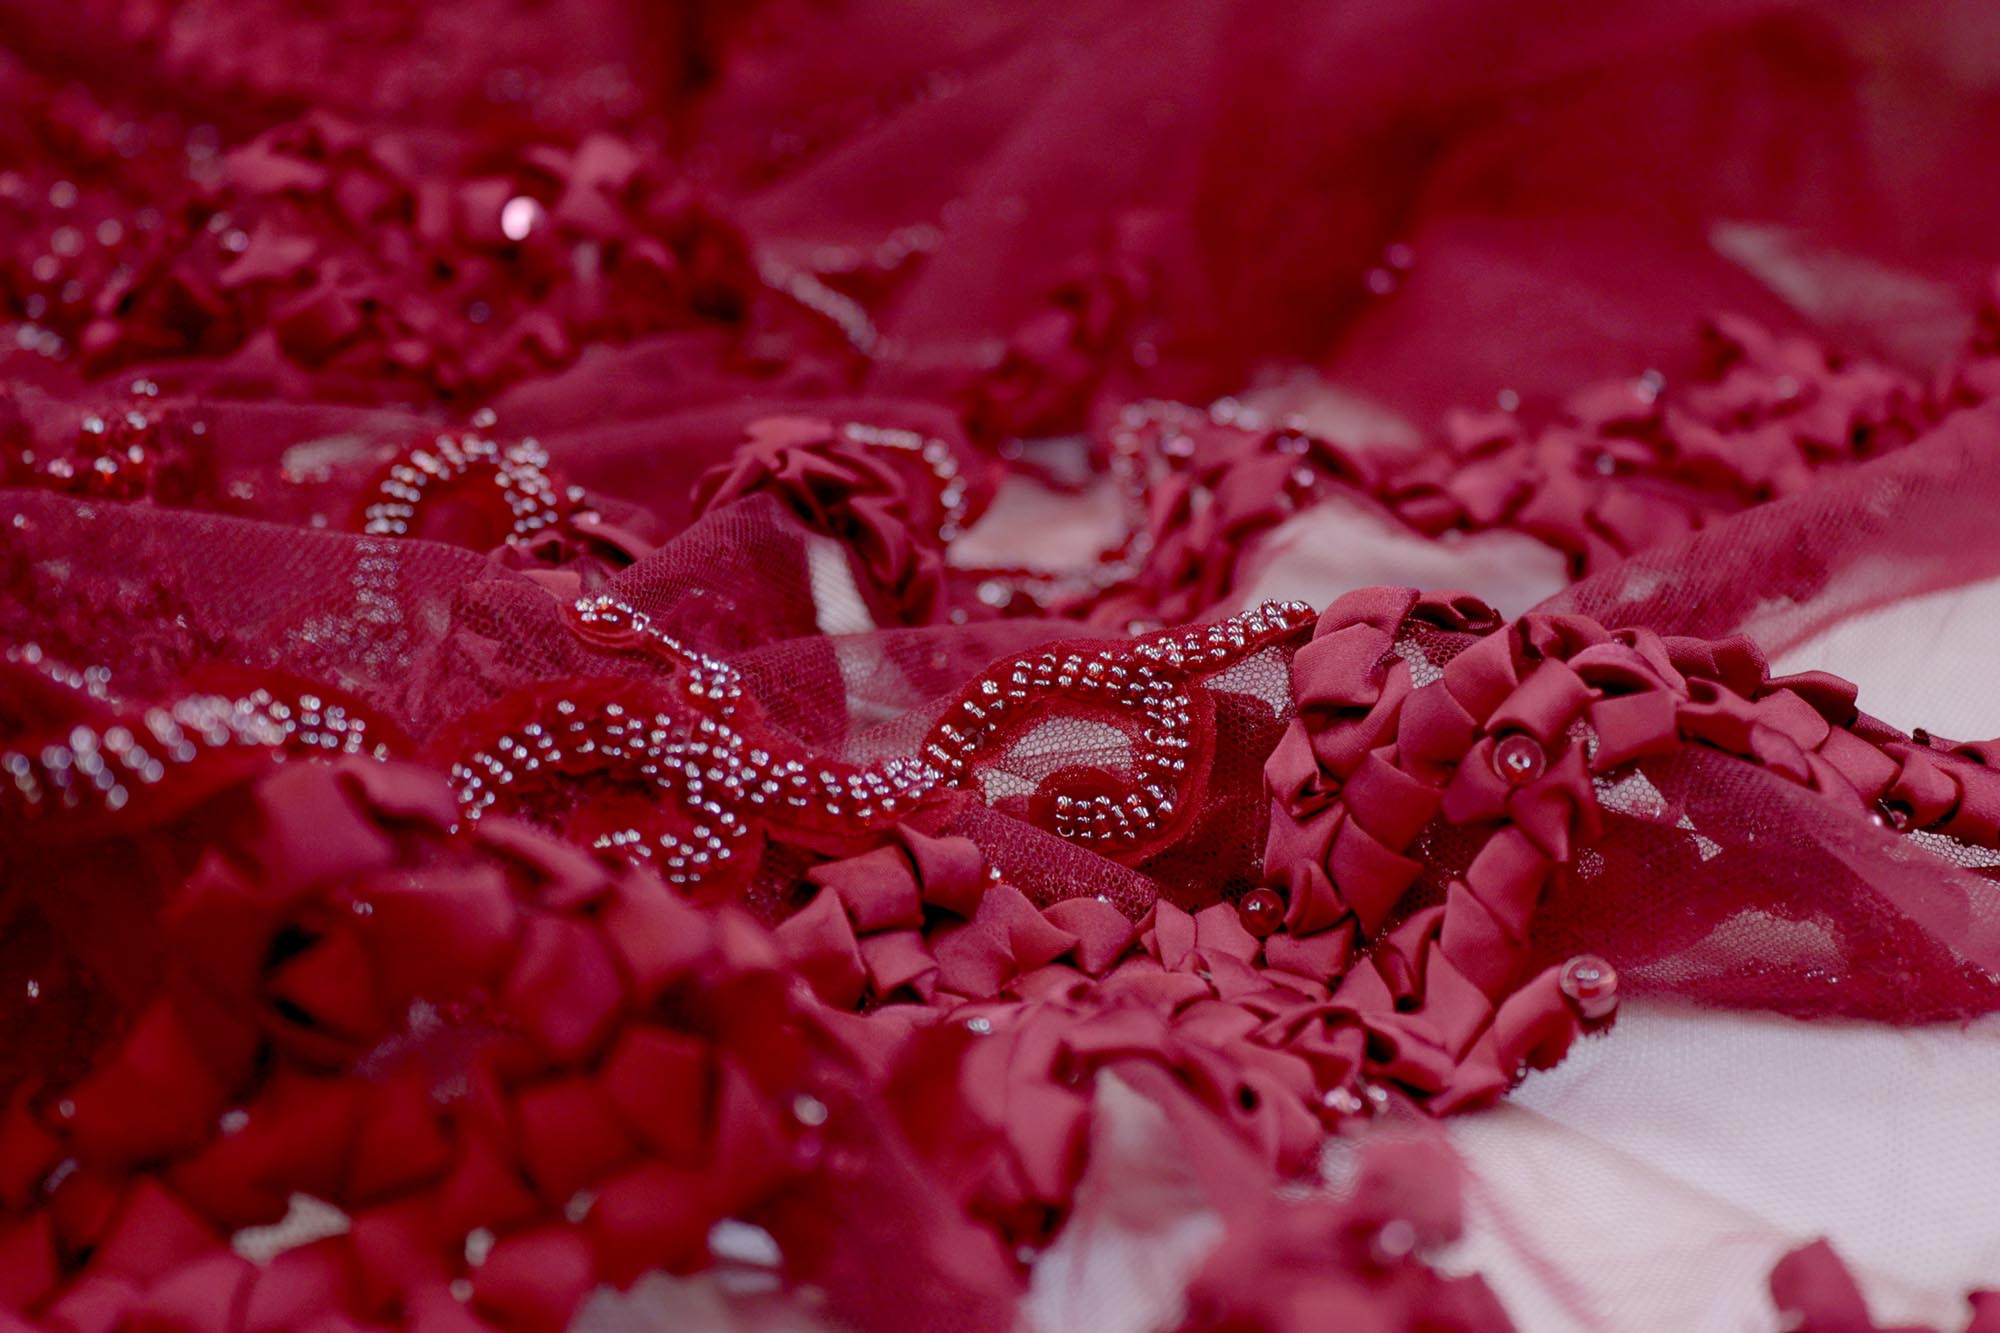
point(1652, 1179)
point(1922, 662)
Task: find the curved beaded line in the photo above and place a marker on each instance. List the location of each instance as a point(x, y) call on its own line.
point(1150, 440)
point(1149, 678)
point(658, 747)
point(706, 764)
point(103, 765)
point(93, 682)
point(936, 455)
point(519, 473)
point(608, 622)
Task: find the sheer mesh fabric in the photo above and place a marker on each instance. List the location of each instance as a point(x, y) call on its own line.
point(560, 764)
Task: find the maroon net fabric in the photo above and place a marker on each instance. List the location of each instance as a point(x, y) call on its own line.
point(519, 805)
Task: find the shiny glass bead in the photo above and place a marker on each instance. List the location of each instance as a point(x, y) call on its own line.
point(1262, 911)
point(1892, 814)
point(1591, 985)
point(1519, 759)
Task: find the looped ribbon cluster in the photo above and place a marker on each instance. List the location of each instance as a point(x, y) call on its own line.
point(839, 487)
point(509, 1070)
point(1623, 465)
point(1418, 716)
point(460, 1076)
point(417, 1035)
point(358, 259)
point(1065, 356)
point(1765, 415)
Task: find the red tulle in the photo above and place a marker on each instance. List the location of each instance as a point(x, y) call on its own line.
point(522, 779)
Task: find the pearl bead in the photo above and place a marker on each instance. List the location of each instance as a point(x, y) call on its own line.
point(1591, 985)
point(1394, 1241)
point(520, 216)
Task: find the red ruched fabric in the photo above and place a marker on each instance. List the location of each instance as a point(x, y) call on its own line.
point(1813, 1290)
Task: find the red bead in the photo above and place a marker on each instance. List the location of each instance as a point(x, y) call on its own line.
point(1262, 911)
point(1591, 985)
point(1518, 759)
